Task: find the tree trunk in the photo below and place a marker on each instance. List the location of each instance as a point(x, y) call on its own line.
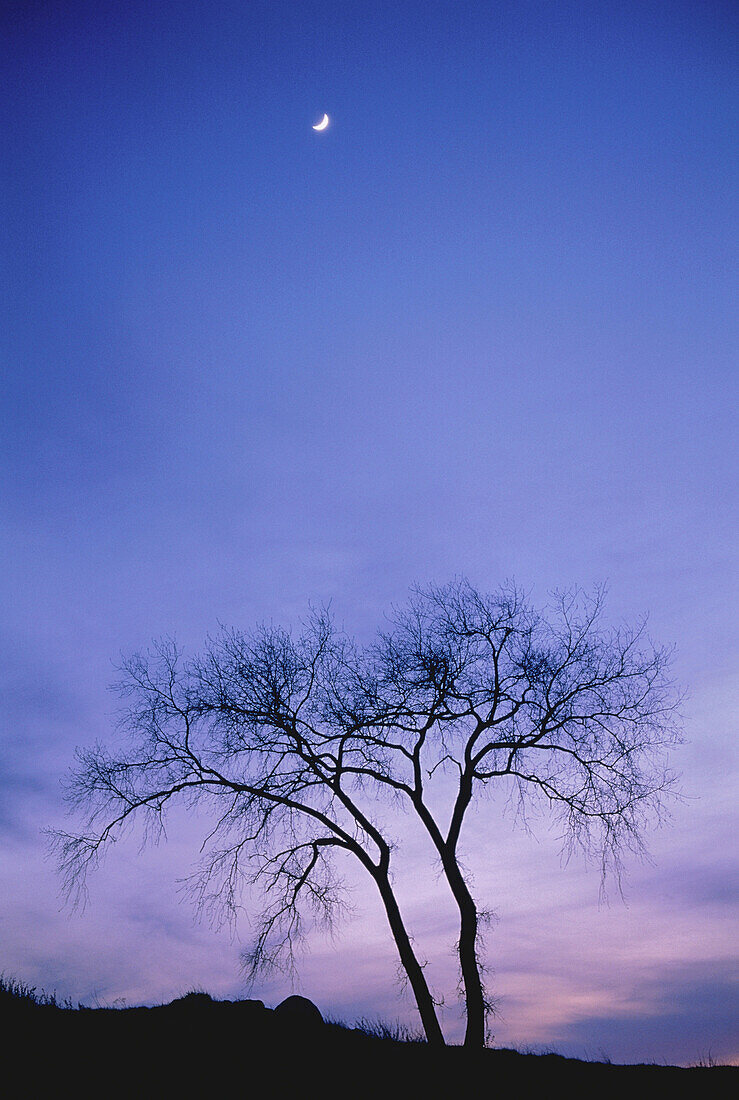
point(474, 992)
point(411, 965)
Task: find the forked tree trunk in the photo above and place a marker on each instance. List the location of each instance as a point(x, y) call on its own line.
point(476, 1007)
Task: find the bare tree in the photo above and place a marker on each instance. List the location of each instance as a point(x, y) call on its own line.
point(290, 741)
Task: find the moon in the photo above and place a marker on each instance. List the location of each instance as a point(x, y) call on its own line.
point(322, 124)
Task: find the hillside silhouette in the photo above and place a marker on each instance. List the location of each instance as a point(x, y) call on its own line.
point(197, 1046)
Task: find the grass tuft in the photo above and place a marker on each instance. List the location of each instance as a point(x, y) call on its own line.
point(707, 1061)
point(395, 1031)
point(15, 992)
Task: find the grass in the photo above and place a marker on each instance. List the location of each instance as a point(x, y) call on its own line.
point(707, 1061)
point(16, 993)
point(395, 1031)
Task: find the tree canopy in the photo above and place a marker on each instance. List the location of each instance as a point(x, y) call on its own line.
point(289, 740)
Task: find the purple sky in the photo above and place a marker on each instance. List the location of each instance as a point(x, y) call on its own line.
point(482, 325)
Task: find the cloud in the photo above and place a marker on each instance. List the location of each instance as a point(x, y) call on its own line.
point(684, 1008)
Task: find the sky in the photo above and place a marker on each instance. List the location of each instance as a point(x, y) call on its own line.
point(481, 325)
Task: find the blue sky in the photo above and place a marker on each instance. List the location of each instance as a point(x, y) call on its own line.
point(484, 324)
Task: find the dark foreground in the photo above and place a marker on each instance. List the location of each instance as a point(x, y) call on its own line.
point(196, 1047)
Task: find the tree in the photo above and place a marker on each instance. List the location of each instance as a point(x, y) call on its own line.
point(290, 741)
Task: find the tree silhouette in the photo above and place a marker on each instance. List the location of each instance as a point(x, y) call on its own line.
point(290, 742)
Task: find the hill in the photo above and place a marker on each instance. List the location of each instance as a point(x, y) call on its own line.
point(196, 1046)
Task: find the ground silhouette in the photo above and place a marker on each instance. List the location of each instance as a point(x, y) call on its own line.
point(197, 1046)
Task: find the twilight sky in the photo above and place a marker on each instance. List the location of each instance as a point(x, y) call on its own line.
point(482, 325)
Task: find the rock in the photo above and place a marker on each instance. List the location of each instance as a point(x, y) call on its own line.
point(249, 1012)
point(299, 1012)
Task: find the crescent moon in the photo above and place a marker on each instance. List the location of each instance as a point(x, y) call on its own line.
point(322, 124)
